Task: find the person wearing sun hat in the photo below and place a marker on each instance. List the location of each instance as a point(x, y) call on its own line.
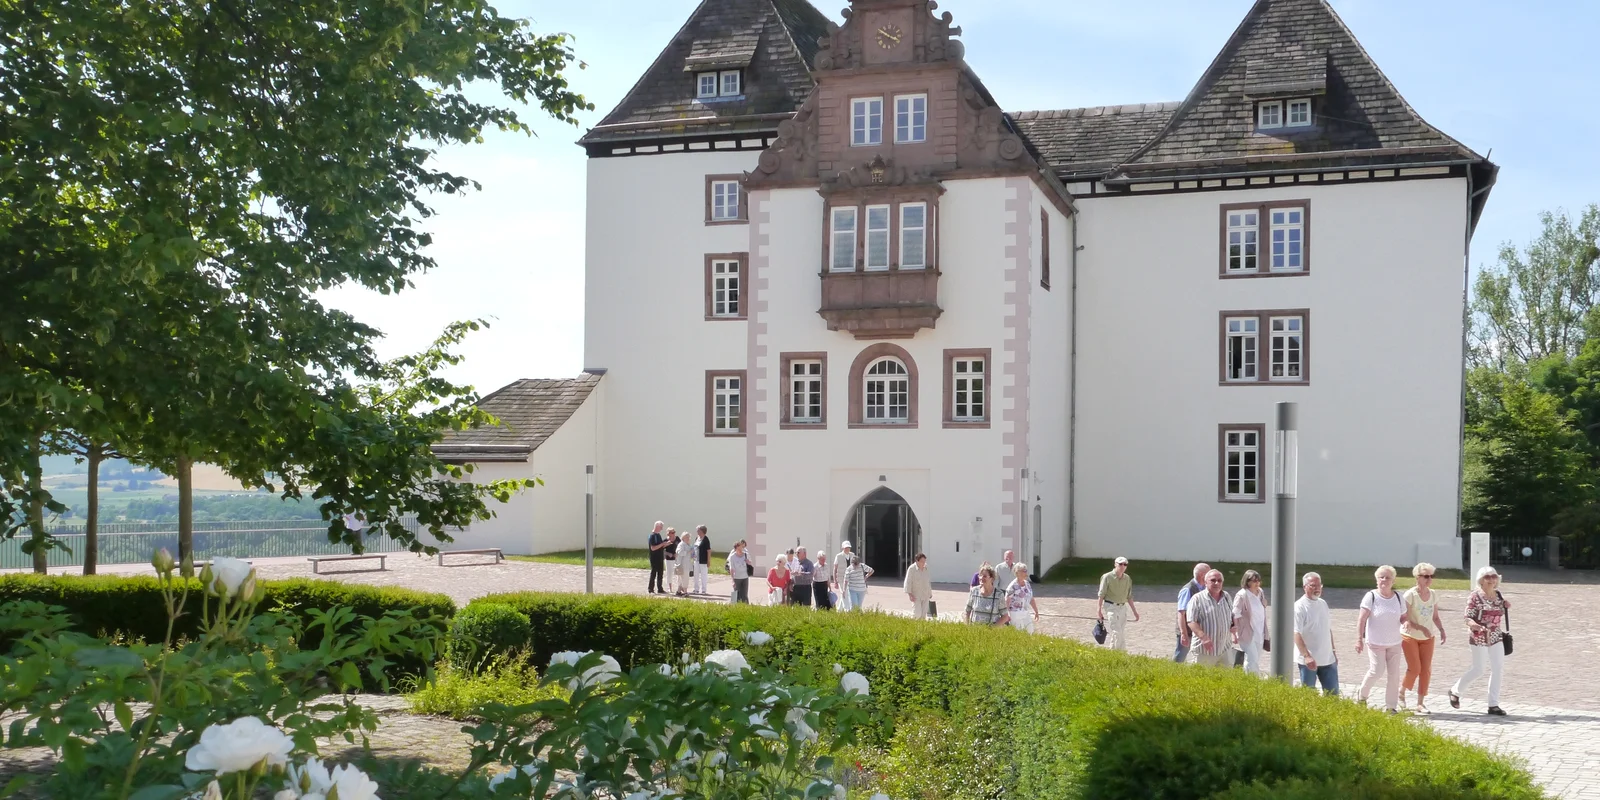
point(851, 573)
point(1116, 598)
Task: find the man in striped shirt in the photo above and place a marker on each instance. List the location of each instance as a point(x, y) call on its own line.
point(1210, 615)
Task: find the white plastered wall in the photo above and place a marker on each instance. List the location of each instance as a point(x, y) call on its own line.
point(1051, 387)
point(1379, 422)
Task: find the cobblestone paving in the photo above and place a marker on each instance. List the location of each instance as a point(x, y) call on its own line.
point(1549, 686)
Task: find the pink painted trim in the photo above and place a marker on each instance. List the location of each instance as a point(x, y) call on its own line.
point(1018, 345)
point(758, 388)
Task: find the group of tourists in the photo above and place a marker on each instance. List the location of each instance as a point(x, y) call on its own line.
point(678, 565)
point(795, 580)
point(1002, 594)
point(1398, 631)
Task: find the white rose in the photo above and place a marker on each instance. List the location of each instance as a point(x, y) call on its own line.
point(238, 746)
point(838, 669)
point(837, 789)
point(607, 670)
point(213, 792)
point(228, 575)
point(310, 777)
point(287, 794)
point(353, 784)
point(666, 670)
point(729, 660)
point(758, 638)
point(717, 758)
point(855, 682)
point(797, 722)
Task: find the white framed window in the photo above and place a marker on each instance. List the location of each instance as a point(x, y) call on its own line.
point(842, 239)
point(866, 121)
point(1288, 348)
point(1244, 230)
point(913, 235)
point(910, 118)
point(1288, 239)
point(877, 244)
point(725, 289)
point(1240, 345)
point(887, 392)
point(726, 404)
point(731, 85)
point(805, 391)
point(724, 201)
point(1299, 114)
point(707, 85)
point(1270, 114)
point(1240, 480)
point(969, 398)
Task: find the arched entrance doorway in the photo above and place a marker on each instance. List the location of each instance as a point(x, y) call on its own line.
point(885, 532)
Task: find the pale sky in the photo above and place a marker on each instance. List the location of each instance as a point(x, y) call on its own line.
point(1517, 78)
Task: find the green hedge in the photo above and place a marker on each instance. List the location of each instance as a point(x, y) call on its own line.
point(132, 606)
point(1052, 717)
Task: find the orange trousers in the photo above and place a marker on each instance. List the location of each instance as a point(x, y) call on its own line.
point(1419, 663)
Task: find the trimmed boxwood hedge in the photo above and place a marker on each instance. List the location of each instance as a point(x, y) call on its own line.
point(1056, 718)
point(132, 606)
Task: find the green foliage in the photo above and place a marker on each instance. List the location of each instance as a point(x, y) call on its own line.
point(224, 508)
point(509, 679)
point(484, 631)
point(1063, 719)
point(1528, 463)
point(1533, 303)
point(929, 757)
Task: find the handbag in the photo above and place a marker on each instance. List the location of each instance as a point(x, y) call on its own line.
point(1505, 633)
point(1266, 645)
point(749, 569)
point(933, 609)
point(1098, 631)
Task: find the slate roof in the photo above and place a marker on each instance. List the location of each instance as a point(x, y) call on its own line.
point(529, 410)
point(776, 41)
point(1287, 46)
point(1089, 141)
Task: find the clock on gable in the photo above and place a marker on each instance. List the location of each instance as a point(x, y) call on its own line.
point(889, 36)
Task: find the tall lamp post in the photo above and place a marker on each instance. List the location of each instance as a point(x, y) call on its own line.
point(588, 532)
point(1285, 480)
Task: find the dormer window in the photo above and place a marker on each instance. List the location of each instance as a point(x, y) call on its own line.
point(725, 83)
point(1275, 114)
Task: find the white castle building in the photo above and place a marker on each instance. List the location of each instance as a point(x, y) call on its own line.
point(835, 291)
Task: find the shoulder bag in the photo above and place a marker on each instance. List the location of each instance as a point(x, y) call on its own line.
point(1505, 625)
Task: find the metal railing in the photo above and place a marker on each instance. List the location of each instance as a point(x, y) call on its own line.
point(134, 542)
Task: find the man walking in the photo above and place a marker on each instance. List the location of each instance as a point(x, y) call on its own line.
point(1004, 573)
point(1116, 598)
point(702, 559)
point(658, 559)
point(801, 573)
point(1210, 615)
point(1313, 638)
point(1181, 654)
point(919, 587)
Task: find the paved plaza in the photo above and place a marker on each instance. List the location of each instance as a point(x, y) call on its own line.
point(1550, 685)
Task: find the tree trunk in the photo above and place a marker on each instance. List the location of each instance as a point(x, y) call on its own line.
point(91, 519)
point(186, 515)
point(41, 555)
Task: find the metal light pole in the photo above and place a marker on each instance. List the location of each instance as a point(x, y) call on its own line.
point(1285, 479)
point(588, 532)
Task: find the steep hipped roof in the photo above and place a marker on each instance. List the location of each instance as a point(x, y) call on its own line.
point(530, 411)
point(775, 41)
point(1294, 46)
point(1091, 140)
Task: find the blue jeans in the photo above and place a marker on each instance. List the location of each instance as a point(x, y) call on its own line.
point(857, 599)
point(1328, 674)
point(1181, 654)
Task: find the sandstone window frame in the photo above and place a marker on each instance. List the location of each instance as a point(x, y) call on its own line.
point(1264, 346)
point(895, 198)
point(911, 121)
point(1251, 457)
point(968, 354)
point(787, 362)
point(866, 121)
point(741, 212)
point(742, 279)
point(1263, 230)
point(858, 375)
point(713, 390)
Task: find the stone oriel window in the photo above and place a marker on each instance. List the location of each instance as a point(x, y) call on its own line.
point(883, 388)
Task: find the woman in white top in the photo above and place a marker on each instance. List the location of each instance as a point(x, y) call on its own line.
point(1422, 618)
point(1378, 630)
point(685, 565)
point(1020, 603)
point(1250, 621)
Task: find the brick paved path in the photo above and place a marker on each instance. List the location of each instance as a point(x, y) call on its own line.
point(1552, 684)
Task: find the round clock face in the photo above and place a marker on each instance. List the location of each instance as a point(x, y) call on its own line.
point(889, 36)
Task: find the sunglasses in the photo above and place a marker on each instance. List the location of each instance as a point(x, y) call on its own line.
point(1425, 575)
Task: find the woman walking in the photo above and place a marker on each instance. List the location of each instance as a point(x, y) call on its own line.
point(739, 570)
point(684, 564)
point(919, 587)
point(1486, 614)
point(819, 582)
point(1378, 629)
point(986, 605)
point(1422, 619)
point(1250, 621)
point(778, 579)
point(1020, 604)
point(853, 574)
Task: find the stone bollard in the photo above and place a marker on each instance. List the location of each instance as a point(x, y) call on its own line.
point(1552, 552)
point(1479, 557)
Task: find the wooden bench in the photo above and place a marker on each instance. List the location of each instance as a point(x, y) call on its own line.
point(317, 561)
point(487, 551)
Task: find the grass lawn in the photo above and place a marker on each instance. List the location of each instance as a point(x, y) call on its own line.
point(625, 557)
point(1176, 573)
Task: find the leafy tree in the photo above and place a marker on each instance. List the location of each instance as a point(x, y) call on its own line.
point(1526, 464)
point(1533, 304)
